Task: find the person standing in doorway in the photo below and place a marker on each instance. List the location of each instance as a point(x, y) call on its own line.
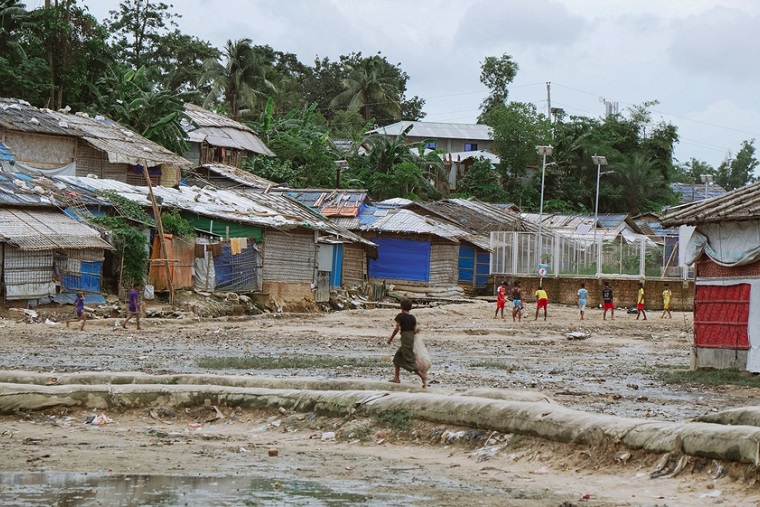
point(640, 303)
point(607, 301)
point(134, 306)
point(516, 302)
point(501, 299)
point(582, 298)
point(405, 358)
point(542, 301)
point(666, 302)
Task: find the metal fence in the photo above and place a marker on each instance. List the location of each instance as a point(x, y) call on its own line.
point(518, 253)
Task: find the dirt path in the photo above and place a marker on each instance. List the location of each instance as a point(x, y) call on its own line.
point(612, 371)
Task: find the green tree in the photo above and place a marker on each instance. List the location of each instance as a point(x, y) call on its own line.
point(138, 28)
point(482, 182)
point(178, 65)
point(306, 157)
point(371, 87)
point(640, 184)
point(739, 171)
point(241, 82)
point(517, 129)
point(132, 99)
point(497, 74)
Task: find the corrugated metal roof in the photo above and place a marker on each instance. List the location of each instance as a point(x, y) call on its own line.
point(330, 202)
point(240, 176)
point(35, 230)
point(736, 205)
point(218, 130)
point(237, 205)
point(465, 131)
point(117, 141)
point(690, 192)
point(408, 222)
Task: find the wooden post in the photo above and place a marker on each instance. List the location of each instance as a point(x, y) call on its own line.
point(164, 252)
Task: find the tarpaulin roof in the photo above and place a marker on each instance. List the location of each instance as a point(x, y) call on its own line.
point(218, 130)
point(35, 230)
point(120, 144)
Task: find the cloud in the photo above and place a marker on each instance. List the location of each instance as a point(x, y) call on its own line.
point(537, 23)
point(720, 42)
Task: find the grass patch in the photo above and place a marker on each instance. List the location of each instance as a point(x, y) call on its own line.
point(284, 362)
point(496, 365)
point(398, 420)
point(709, 377)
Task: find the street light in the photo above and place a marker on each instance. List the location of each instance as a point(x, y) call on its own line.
point(543, 151)
point(707, 179)
point(599, 160)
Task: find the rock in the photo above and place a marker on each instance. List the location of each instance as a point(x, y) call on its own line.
point(578, 335)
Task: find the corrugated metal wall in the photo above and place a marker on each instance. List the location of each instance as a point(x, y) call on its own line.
point(354, 265)
point(289, 257)
point(444, 260)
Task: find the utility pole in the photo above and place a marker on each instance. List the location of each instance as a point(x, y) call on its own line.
point(549, 100)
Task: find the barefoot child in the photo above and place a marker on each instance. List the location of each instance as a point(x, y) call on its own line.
point(609, 303)
point(405, 358)
point(666, 302)
point(582, 298)
point(542, 301)
point(501, 299)
point(81, 315)
point(640, 303)
point(134, 306)
point(516, 302)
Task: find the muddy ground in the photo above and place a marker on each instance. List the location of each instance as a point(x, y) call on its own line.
point(617, 369)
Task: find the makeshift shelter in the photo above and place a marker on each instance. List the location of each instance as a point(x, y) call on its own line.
point(477, 218)
point(216, 139)
point(45, 253)
point(43, 142)
point(725, 250)
point(415, 250)
point(225, 176)
point(249, 241)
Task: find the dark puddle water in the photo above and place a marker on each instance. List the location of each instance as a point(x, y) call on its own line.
point(80, 490)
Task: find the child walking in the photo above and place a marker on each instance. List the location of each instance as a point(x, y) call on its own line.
point(640, 303)
point(501, 299)
point(582, 298)
point(666, 302)
point(406, 323)
point(81, 315)
point(134, 306)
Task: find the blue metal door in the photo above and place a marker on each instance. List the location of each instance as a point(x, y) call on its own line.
point(336, 275)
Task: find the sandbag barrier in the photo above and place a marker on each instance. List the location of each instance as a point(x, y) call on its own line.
point(543, 420)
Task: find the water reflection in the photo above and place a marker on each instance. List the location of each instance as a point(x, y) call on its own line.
point(85, 490)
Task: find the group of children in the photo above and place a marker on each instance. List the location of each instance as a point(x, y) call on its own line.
point(542, 301)
point(134, 308)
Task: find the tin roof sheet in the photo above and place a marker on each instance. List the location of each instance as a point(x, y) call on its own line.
point(121, 144)
point(218, 130)
point(35, 230)
point(432, 130)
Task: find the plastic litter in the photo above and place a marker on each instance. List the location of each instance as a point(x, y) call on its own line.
point(328, 436)
point(711, 494)
point(98, 420)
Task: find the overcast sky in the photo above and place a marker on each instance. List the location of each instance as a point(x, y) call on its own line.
point(695, 56)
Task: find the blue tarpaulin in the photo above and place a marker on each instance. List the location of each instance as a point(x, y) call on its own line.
point(236, 273)
point(401, 259)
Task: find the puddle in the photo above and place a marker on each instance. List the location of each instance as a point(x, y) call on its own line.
point(96, 489)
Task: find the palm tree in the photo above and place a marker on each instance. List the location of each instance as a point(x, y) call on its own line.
point(369, 86)
point(639, 181)
point(11, 12)
point(241, 82)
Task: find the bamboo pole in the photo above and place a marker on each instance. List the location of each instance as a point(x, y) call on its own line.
point(164, 252)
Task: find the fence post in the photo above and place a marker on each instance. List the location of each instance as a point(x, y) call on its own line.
point(514, 253)
point(557, 247)
point(642, 258)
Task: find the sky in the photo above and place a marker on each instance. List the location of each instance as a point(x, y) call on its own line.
point(693, 56)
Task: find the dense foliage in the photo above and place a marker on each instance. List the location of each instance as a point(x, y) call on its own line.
point(138, 68)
